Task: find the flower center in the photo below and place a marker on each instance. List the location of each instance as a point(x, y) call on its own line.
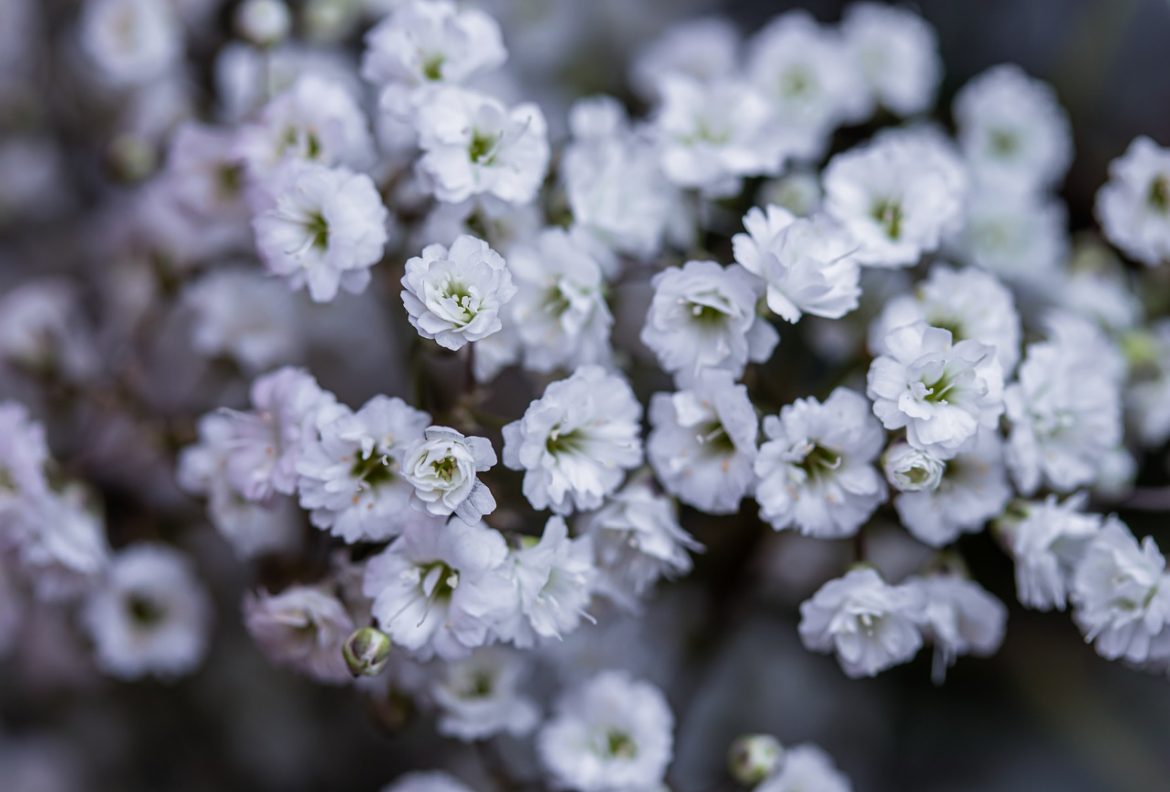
point(373, 469)
point(483, 148)
point(438, 581)
point(432, 67)
point(561, 442)
point(144, 611)
point(1159, 195)
point(715, 438)
point(820, 461)
point(888, 213)
point(445, 468)
point(318, 230)
point(1004, 142)
point(617, 744)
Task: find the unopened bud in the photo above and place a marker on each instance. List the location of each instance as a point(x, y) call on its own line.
point(366, 651)
point(755, 757)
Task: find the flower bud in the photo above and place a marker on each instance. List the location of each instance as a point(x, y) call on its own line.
point(910, 470)
point(755, 757)
point(366, 651)
point(263, 22)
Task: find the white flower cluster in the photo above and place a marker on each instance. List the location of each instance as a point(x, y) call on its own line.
point(895, 336)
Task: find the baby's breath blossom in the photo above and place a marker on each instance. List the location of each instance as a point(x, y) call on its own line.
point(868, 623)
point(961, 617)
point(704, 49)
point(457, 295)
point(896, 52)
point(807, 264)
point(910, 470)
point(1046, 539)
point(302, 627)
point(574, 442)
point(433, 781)
point(815, 472)
point(806, 767)
point(940, 392)
point(611, 733)
point(480, 696)
point(131, 42)
point(703, 316)
point(1134, 205)
point(441, 466)
point(326, 228)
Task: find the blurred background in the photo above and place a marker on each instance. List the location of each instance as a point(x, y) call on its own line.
point(1046, 713)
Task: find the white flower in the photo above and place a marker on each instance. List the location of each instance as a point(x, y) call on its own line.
point(61, 543)
point(705, 49)
point(807, 264)
point(703, 443)
point(816, 471)
point(479, 697)
point(910, 470)
point(441, 466)
point(810, 79)
point(961, 617)
point(266, 442)
point(1148, 394)
point(1046, 543)
point(131, 42)
point(326, 228)
point(456, 295)
point(252, 529)
point(612, 733)
point(711, 134)
point(636, 540)
point(1018, 235)
point(806, 768)
point(870, 624)
point(972, 305)
point(553, 580)
point(152, 616)
point(1134, 205)
point(242, 315)
point(431, 43)
point(263, 22)
point(974, 488)
point(352, 473)
point(575, 441)
point(559, 312)
point(703, 316)
point(617, 192)
point(896, 196)
point(316, 119)
point(41, 328)
point(438, 589)
point(897, 54)
point(23, 456)
point(472, 144)
point(1012, 129)
point(1121, 595)
point(940, 392)
point(434, 781)
point(204, 173)
point(302, 627)
point(1064, 410)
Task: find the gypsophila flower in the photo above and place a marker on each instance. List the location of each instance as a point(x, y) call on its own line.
point(896, 196)
point(151, 616)
point(807, 264)
point(974, 488)
point(479, 697)
point(472, 144)
point(1018, 235)
point(1121, 596)
point(130, 41)
point(1134, 205)
point(302, 627)
point(911, 470)
point(326, 228)
point(703, 316)
point(703, 443)
point(574, 442)
point(60, 542)
point(611, 733)
point(636, 540)
point(23, 456)
point(436, 586)
point(897, 54)
point(1012, 129)
point(815, 471)
point(868, 623)
point(426, 782)
point(970, 304)
point(806, 767)
point(456, 295)
point(442, 467)
point(1047, 539)
point(1148, 399)
point(703, 49)
point(559, 312)
point(940, 392)
point(961, 617)
point(352, 472)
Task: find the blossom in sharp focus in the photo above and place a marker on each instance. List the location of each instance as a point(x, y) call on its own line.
point(456, 295)
point(442, 467)
point(868, 623)
point(703, 316)
point(816, 472)
point(702, 444)
point(326, 228)
point(575, 442)
point(908, 469)
point(940, 392)
point(611, 733)
point(807, 264)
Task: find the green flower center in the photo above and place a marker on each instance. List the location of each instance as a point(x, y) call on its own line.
point(1159, 196)
point(144, 611)
point(889, 214)
point(619, 745)
point(561, 442)
point(318, 229)
point(373, 468)
point(820, 461)
point(482, 148)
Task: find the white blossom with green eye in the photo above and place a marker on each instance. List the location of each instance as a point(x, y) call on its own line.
point(1134, 205)
point(442, 467)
